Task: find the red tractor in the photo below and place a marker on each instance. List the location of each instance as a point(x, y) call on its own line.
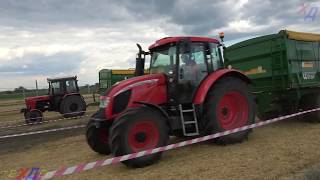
point(188, 92)
point(63, 97)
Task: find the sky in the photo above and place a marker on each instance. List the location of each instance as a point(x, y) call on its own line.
point(51, 38)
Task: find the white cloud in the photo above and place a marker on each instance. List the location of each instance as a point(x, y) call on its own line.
point(100, 47)
point(81, 38)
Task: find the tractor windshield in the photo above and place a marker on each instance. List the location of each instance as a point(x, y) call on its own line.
point(163, 60)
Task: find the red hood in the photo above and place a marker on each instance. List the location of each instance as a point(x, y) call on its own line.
point(45, 97)
point(31, 102)
point(134, 82)
point(148, 88)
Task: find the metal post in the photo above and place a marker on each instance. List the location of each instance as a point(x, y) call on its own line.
point(94, 97)
point(37, 93)
point(23, 93)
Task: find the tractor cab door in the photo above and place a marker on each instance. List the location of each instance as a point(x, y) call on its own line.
point(57, 89)
point(192, 69)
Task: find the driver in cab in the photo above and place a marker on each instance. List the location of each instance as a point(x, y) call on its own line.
point(190, 70)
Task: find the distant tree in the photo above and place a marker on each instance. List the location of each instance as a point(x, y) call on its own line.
point(20, 89)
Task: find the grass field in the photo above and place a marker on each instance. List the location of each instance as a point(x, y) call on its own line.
point(283, 150)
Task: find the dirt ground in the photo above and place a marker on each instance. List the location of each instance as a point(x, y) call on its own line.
point(283, 150)
point(276, 151)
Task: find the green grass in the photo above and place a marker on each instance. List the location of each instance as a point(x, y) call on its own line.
point(16, 96)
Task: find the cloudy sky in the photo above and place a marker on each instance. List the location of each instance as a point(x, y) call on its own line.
point(49, 38)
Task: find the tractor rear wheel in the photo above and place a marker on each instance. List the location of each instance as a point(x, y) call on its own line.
point(33, 116)
point(98, 137)
point(308, 102)
point(137, 130)
point(72, 106)
point(229, 105)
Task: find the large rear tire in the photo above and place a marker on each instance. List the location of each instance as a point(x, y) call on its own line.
point(308, 102)
point(33, 117)
point(72, 106)
point(229, 105)
point(98, 137)
point(137, 130)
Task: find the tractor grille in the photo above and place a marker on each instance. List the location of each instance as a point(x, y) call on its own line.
point(121, 101)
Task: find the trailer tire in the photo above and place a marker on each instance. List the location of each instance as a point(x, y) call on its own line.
point(136, 130)
point(72, 106)
point(33, 116)
point(225, 100)
point(98, 137)
point(308, 102)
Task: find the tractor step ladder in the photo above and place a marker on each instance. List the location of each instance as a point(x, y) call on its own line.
point(193, 122)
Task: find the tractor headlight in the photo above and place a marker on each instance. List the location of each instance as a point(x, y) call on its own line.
point(104, 101)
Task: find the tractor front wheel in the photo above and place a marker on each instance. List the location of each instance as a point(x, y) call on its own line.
point(229, 105)
point(72, 106)
point(98, 137)
point(33, 116)
point(137, 130)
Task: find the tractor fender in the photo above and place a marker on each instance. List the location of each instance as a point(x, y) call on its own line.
point(70, 94)
point(98, 118)
point(210, 80)
point(36, 110)
point(157, 108)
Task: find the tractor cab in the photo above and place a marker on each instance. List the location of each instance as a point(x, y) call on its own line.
point(59, 87)
point(64, 85)
point(186, 61)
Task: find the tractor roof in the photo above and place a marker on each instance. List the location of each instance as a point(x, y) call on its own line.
point(168, 40)
point(62, 78)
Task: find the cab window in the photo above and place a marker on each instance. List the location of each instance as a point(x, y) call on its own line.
point(163, 60)
point(192, 63)
point(71, 86)
point(215, 56)
point(57, 87)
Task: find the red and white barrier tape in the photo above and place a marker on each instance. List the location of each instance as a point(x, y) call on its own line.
point(115, 160)
point(41, 132)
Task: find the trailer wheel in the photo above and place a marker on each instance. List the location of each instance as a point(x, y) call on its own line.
point(33, 116)
point(308, 102)
point(137, 130)
point(72, 106)
point(229, 105)
point(98, 137)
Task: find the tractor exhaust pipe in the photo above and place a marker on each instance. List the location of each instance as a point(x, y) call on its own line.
point(140, 60)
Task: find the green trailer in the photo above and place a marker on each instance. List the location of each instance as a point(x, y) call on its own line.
point(108, 77)
point(284, 69)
